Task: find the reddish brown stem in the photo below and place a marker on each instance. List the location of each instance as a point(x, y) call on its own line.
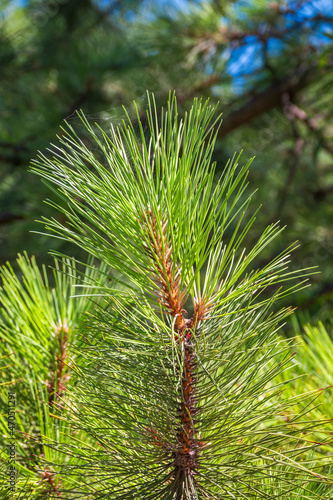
point(48, 477)
point(185, 453)
point(186, 456)
point(59, 377)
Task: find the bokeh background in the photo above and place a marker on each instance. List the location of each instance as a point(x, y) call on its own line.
point(268, 63)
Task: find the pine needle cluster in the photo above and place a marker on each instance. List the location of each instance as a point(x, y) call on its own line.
point(171, 395)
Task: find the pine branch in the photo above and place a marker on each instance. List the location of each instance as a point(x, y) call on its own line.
point(271, 97)
point(167, 277)
point(59, 376)
point(180, 408)
point(295, 112)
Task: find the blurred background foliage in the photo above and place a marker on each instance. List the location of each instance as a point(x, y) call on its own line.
point(268, 63)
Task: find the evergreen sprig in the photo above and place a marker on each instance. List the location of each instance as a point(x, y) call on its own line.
point(176, 367)
point(38, 319)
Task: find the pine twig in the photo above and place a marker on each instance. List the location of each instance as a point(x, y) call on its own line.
point(172, 298)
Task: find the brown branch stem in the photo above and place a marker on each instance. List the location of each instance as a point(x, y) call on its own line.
point(167, 277)
point(295, 112)
point(271, 97)
point(59, 377)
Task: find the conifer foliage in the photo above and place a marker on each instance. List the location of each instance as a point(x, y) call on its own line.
point(38, 318)
point(174, 369)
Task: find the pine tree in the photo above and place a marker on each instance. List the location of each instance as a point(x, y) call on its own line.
point(175, 368)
